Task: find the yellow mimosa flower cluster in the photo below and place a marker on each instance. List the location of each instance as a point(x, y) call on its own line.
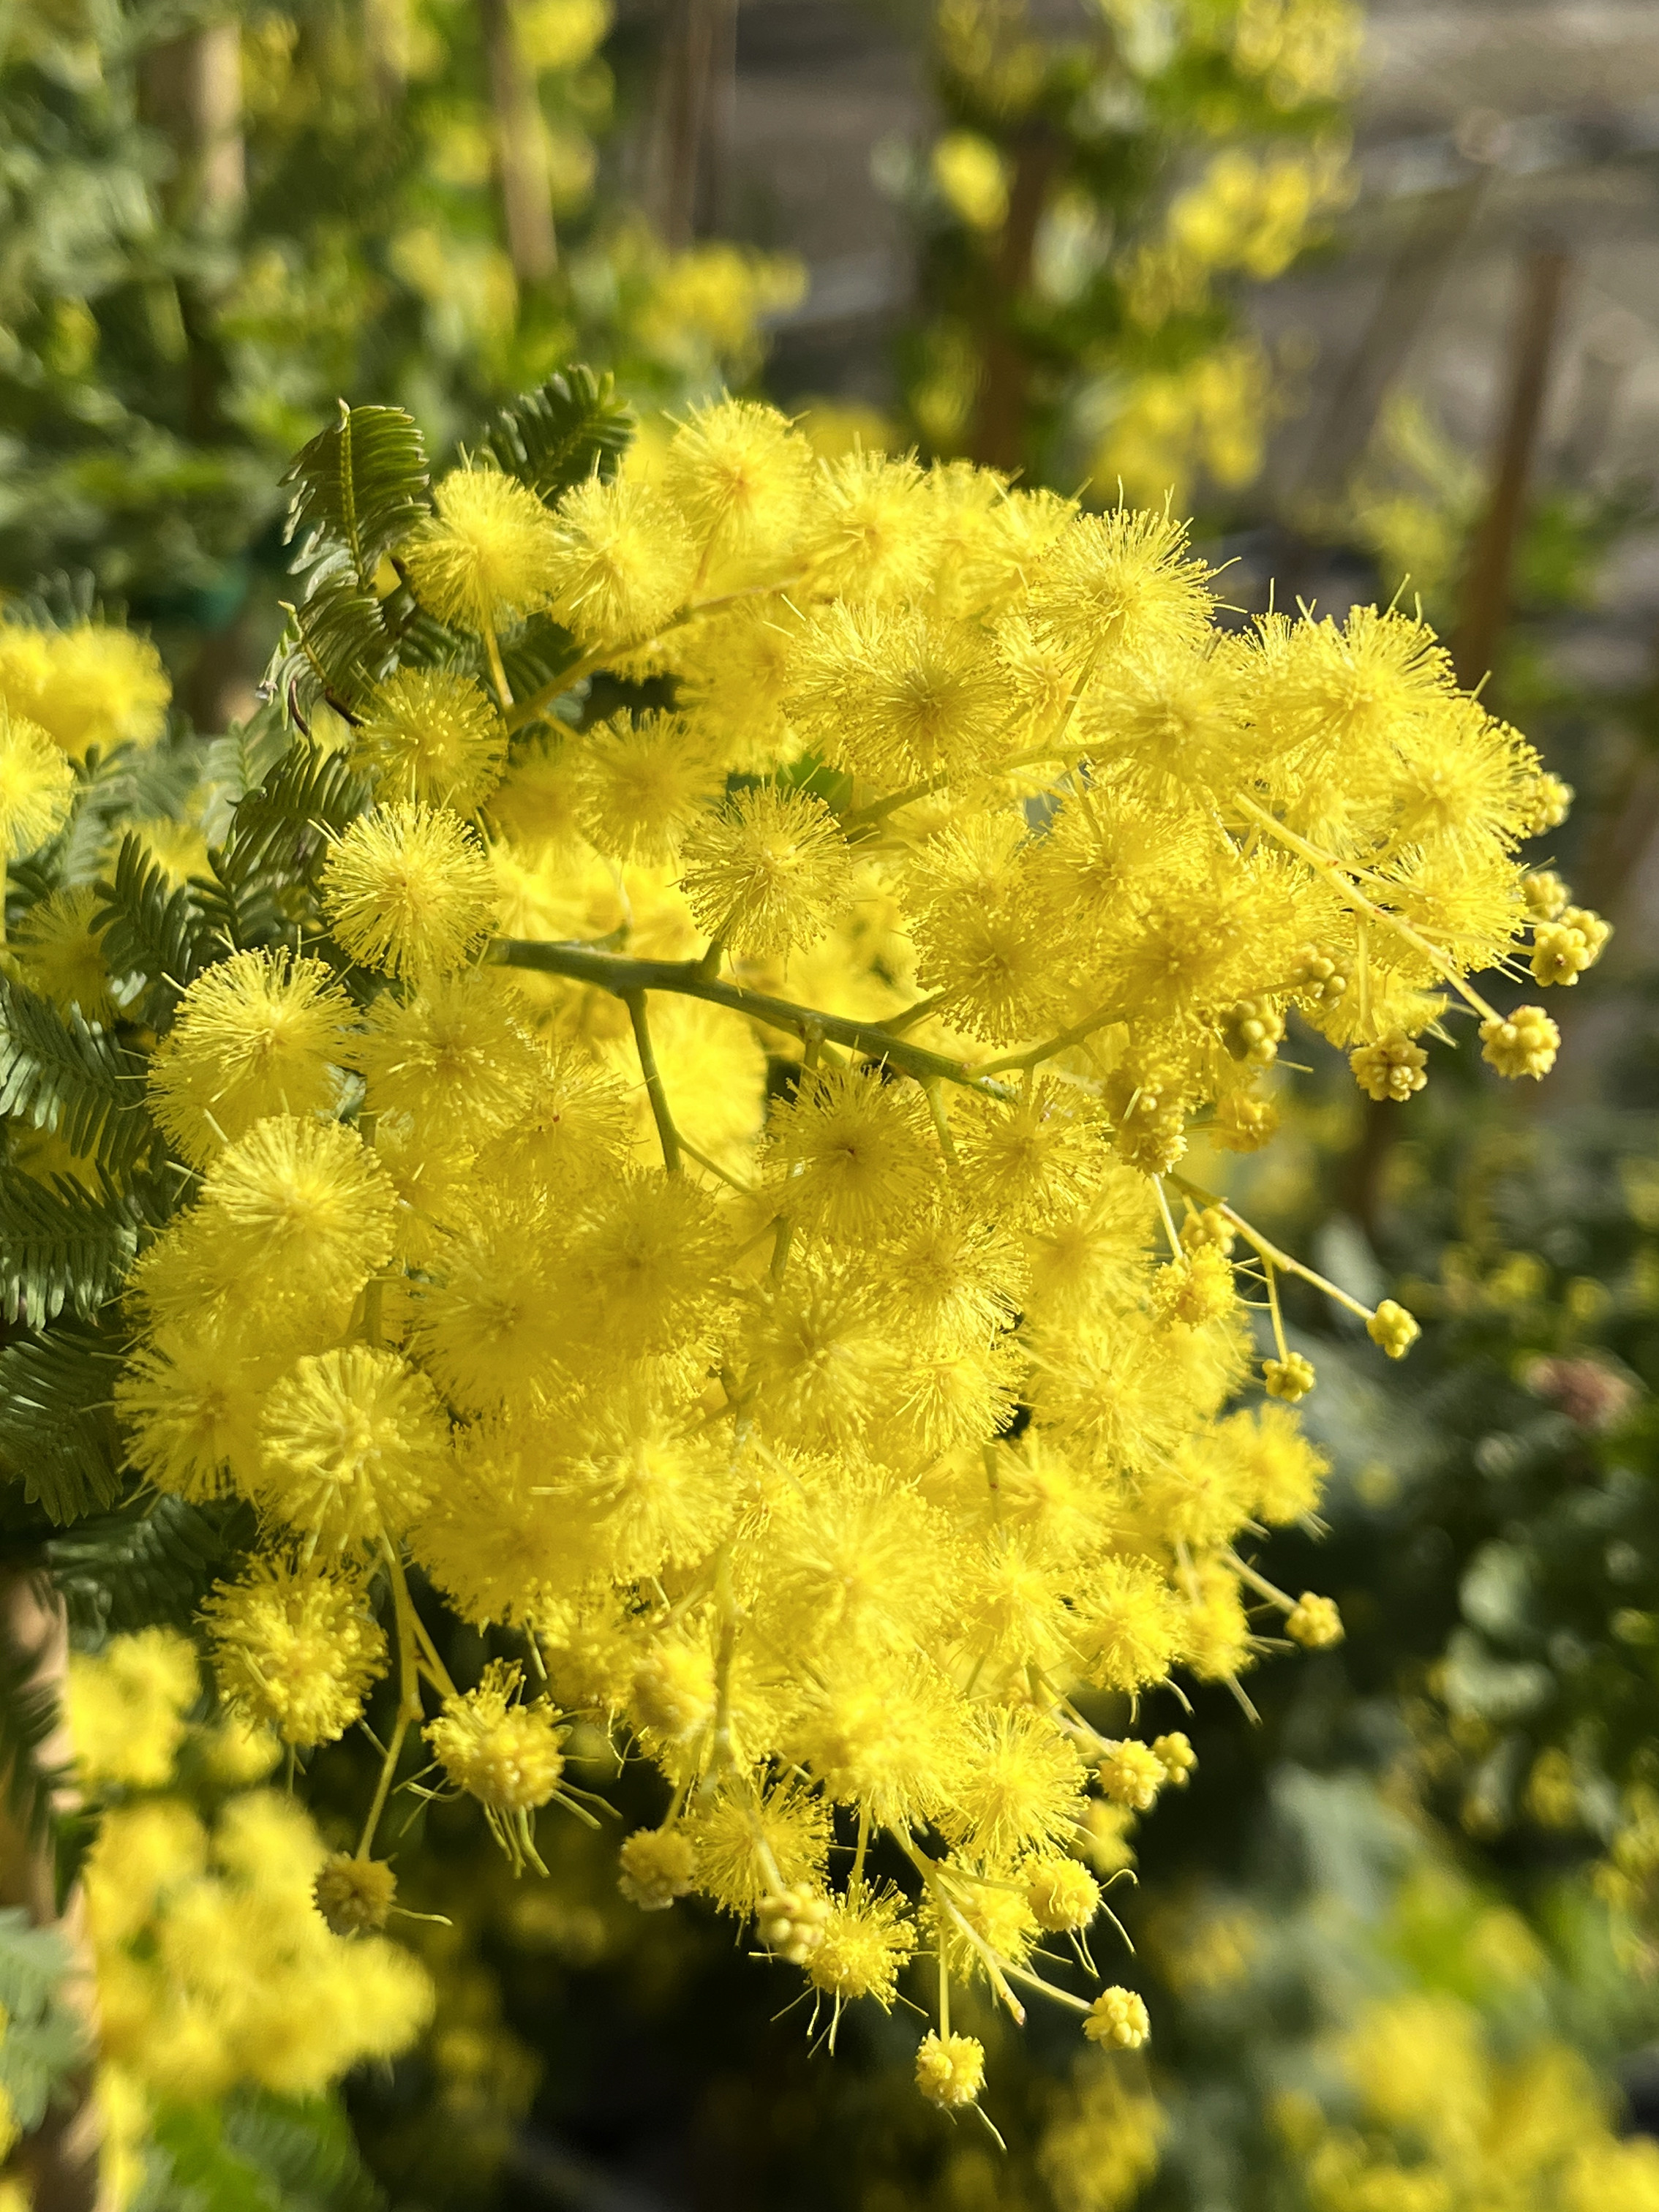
point(701, 1183)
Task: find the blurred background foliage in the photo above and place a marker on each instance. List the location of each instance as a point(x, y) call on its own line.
point(1400, 1934)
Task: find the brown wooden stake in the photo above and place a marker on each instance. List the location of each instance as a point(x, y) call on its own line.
point(190, 88)
point(60, 2161)
point(1000, 419)
point(521, 148)
point(712, 203)
point(692, 102)
point(1491, 561)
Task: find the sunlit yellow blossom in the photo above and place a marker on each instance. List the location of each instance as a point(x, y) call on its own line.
point(295, 1648)
point(408, 890)
point(485, 558)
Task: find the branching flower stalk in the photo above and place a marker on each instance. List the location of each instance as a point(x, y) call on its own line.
point(698, 1184)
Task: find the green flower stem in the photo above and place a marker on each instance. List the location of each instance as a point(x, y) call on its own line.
point(628, 980)
point(668, 1135)
point(409, 1697)
point(1260, 1584)
point(503, 690)
point(1055, 1045)
point(1269, 1253)
point(935, 1876)
point(1342, 881)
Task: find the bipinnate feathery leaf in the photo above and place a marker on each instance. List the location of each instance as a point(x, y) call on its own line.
point(360, 485)
point(62, 1246)
point(152, 928)
point(60, 1072)
point(57, 1433)
point(553, 437)
point(43, 2040)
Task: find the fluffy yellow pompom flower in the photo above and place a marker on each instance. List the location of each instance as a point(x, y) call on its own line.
point(656, 1867)
point(501, 1753)
point(1128, 1626)
point(88, 685)
point(1118, 2018)
point(354, 1445)
point(61, 956)
point(409, 891)
point(623, 562)
point(893, 694)
point(127, 1708)
point(189, 1402)
point(639, 784)
point(873, 539)
point(303, 1203)
point(951, 2069)
point(1132, 1774)
point(485, 558)
point(295, 1648)
point(1063, 1894)
point(37, 787)
point(854, 1154)
point(354, 1895)
point(257, 1035)
point(862, 1944)
point(1020, 1784)
point(1313, 1621)
point(771, 871)
point(1126, 581)
point(432, 734)
point(450, 1056)
point(739, 476)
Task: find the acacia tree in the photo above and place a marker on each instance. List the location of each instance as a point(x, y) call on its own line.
point(1088, 217)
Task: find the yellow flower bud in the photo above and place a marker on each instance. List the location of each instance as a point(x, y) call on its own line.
point(1525, 1045)
point(1118, 2018)
point(354, 1895)
point(1289, 1378)
point(951, 2069)
point(1315, 1622)
point(1392, 1069)
point(1394, 1328)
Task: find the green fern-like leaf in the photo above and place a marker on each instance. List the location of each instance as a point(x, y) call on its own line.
point(154, 929)
point(361, 485)
point(57, 1433)
point(144, 1564)
point(62, 1246)
point(555, 436)
point(303, 2149)
point(537, 656)
point(44, 2042)
point(280, 836)
point(253, 2152)
point(59, 1072)
point(239, 762)
point(337, 647)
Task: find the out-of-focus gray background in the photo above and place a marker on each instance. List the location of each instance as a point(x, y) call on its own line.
point(1480, 129)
